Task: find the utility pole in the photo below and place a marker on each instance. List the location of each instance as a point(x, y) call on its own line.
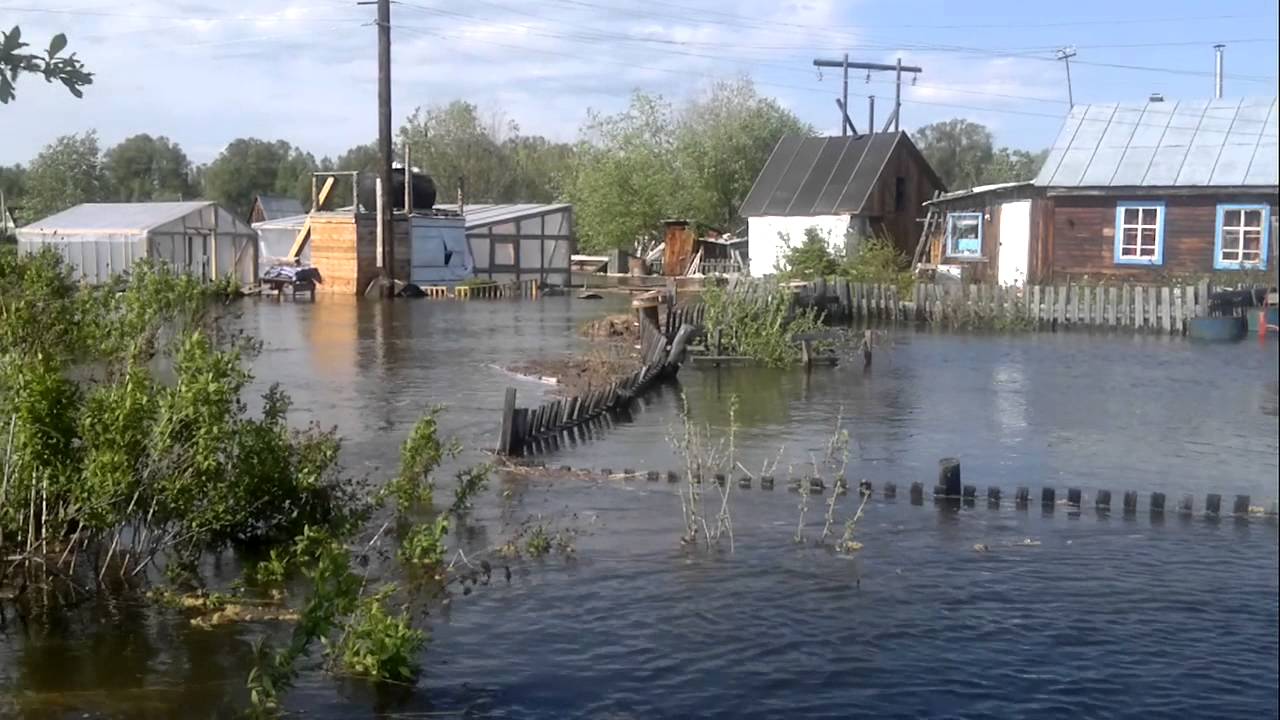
point(844, 94)
point(1065, 54)
point(386, 228)
point(1217, 70)
point(897, 68)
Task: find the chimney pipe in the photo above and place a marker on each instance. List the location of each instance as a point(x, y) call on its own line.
point(871, 114)
point(1217, 70)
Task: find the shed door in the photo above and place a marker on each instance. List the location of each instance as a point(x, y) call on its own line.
point(1015, 242)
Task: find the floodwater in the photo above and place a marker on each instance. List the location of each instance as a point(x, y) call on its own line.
point(1063, 615)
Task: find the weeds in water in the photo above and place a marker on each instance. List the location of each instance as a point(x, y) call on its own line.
point(424, 545)
point(379, 645)
point(539, 542)
point(760, 327)
point(707, 460)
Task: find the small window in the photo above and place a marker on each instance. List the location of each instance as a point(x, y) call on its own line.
point(1241, 240)
point(900, 194)
point(964, 235)
point(1139, 233)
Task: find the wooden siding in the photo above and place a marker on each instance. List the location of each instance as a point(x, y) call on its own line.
point(1081, 239)
point(344, 250)
point(987, 267)
point(902, 225)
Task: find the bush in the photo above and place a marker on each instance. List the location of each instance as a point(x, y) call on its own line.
point(380, 646)
point(876, 261)
point(763, 328)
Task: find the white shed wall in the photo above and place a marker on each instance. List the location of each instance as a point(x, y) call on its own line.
point(765, 246)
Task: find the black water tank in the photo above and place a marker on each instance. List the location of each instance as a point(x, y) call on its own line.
point(424, 191)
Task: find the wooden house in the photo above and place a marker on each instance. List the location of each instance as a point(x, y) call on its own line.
point(848, 187)
point(1135, 192)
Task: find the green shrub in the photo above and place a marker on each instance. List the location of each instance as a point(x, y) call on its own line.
point(378, 645)
point(763, 328)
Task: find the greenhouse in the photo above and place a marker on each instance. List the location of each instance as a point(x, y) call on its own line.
point(520, 241)
point(104, 239)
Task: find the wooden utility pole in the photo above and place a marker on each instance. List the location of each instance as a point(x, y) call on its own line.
point(386, 230)
point(897, 68)
point(1065, 54)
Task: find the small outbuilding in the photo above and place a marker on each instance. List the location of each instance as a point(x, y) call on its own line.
point(849, 188)
point(104, 239)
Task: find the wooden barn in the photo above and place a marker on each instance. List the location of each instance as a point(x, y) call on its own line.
point(1136, 192)
point(848, 187)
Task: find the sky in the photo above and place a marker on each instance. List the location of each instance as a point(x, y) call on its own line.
point(204, 73)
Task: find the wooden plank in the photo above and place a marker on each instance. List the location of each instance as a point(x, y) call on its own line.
point(1063, 295)
point(1153, 295)
point(1176, 325)
point(1166, 309)
point(1188, 306)
point(304, 234)
point(1034, 309)
point(1202, 299)
point(508, 416)
point(1139, 307)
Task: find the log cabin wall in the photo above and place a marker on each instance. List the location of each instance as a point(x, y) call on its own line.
point(1081, 239)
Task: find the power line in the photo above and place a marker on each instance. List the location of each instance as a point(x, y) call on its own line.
point(187, 18)
point(808, 89)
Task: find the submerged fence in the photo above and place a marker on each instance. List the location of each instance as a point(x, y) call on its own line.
point(488, 291)
point(532, 430)
point(1156, 308)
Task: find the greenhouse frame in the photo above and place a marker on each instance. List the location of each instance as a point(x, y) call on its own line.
point(101, 240)
point(520, 241)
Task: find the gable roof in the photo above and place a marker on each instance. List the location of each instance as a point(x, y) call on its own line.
point(1191, 143)
point(275, 207)
point(117, 217)
point(808, 176)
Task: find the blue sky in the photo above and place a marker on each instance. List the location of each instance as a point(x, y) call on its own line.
point(204, 73)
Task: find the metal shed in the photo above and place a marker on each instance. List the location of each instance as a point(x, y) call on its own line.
point(522, 241)
point(103, 239)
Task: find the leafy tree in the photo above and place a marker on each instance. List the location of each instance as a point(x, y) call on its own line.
point(364, 158)
point(724, 140)
point(13, 181)
point(963, 155)
point(959, 151)
point(249, 167)
point(625, 179)
point(540, 168)
point(451, 142)
point(67, 70)
point(67, 172)
point(1008, 165)
point(143, 168)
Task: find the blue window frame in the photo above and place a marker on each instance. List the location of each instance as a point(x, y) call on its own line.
point(1139, 233)
point(964, 235)
point(1240, 240)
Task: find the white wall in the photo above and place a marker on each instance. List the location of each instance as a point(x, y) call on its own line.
point(765, 247)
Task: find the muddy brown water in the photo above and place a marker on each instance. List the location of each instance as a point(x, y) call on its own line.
point(1065, 615)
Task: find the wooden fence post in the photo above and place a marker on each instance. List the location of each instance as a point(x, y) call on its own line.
point(508, 416)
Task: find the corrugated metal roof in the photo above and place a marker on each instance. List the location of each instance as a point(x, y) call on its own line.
point(486, 214)
point(275, 207)
point(1195, 143)
point(116, 217)
point(808, 176)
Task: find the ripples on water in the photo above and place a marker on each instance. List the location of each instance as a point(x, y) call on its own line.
point(1105, 617)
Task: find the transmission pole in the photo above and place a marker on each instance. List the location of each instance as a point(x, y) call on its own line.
point(897, 68)
point(386, 228)
point(1065, 54)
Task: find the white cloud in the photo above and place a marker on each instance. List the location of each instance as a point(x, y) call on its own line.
point(206, 73)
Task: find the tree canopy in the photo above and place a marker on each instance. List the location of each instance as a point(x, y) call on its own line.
point(249, 167)
point(67, 70)
point(143, 168)
point(963, 154)
point(650, 162)
point(67, 172)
